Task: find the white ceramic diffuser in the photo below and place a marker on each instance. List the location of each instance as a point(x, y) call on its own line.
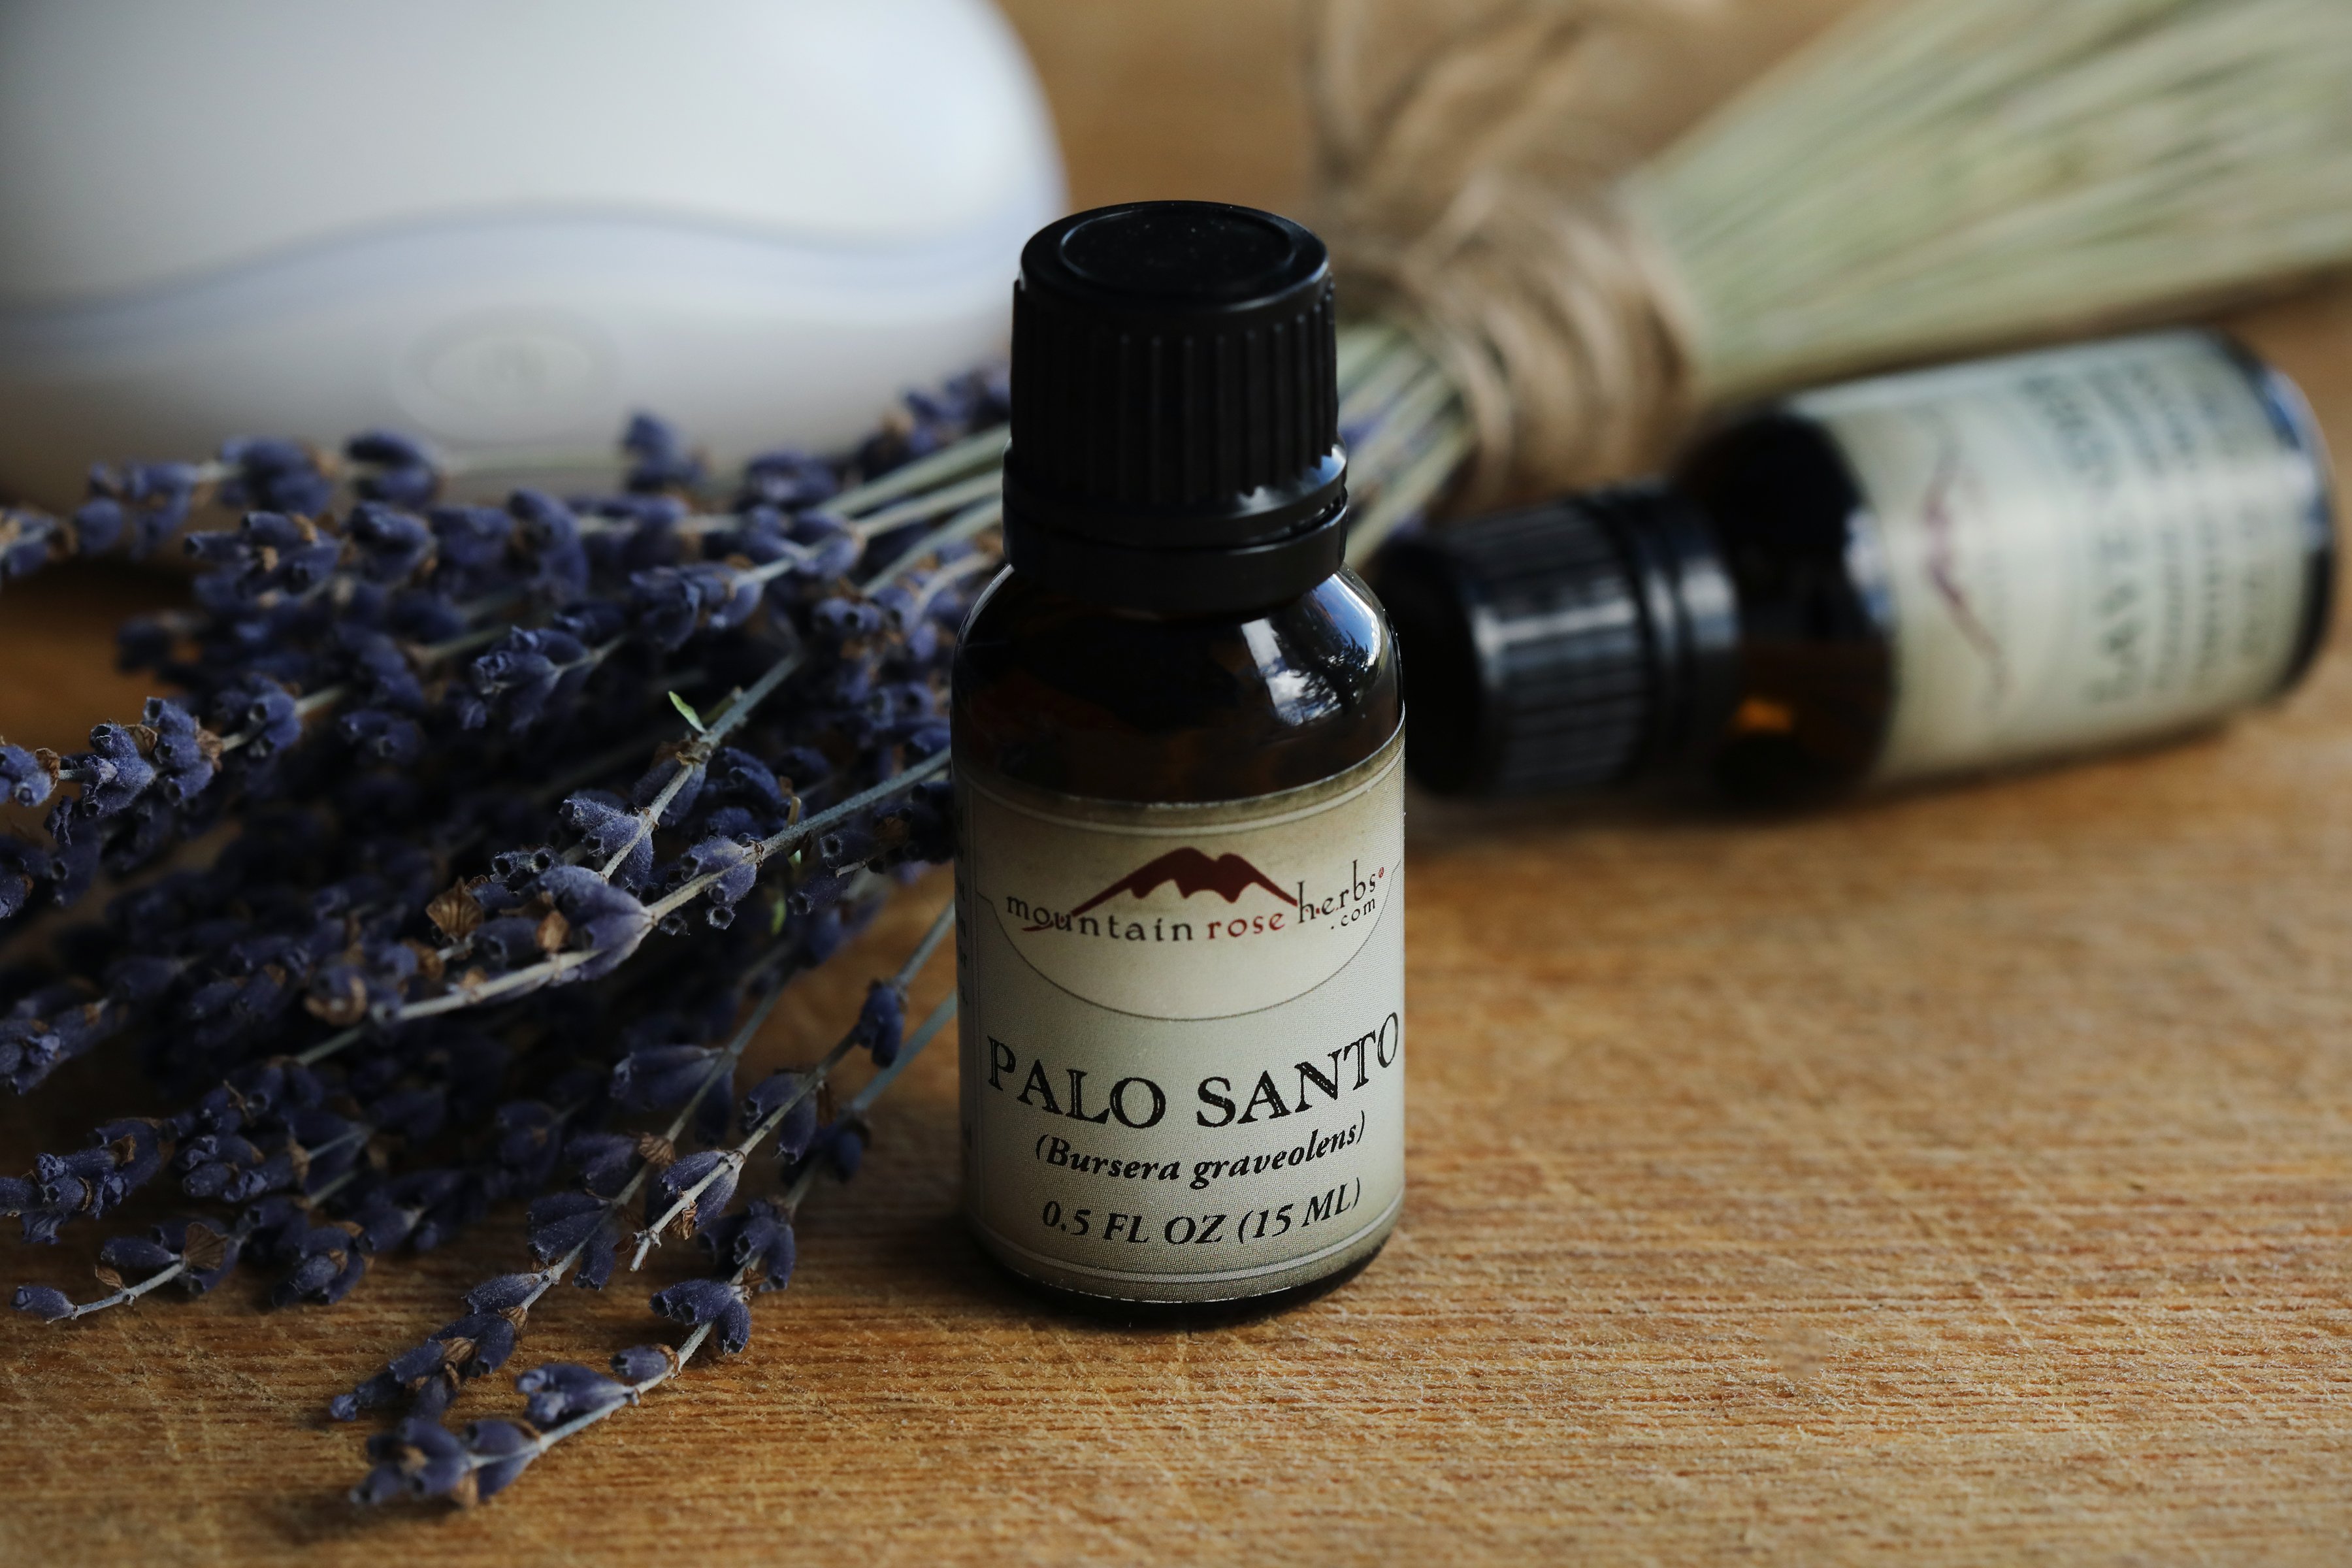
point(501, 224)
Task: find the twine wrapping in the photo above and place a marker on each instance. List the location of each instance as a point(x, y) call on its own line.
point(1464, 201)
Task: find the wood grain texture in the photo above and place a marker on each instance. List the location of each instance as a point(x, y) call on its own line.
point(1961, 1174)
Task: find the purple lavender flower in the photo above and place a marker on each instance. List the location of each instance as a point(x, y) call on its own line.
point(734, 866)
point(419, 1458)
point(644, 1363)
point(882, 1022)
point(280, 475)
point(788, 1094)
point(671, 605)
point(661, 1076)
point(560, 1390)
point(549, 533)
point(660, 461)
point(611, 833)
point(26, 777)
point(792, 480)
point(700, 1301)
point(327, 1263)
point(399, 469)
point(43, 1302)
point(141, 506)
point(697, 1183)
point(757, 1243)
point(562, 1221)
point(606, 1161)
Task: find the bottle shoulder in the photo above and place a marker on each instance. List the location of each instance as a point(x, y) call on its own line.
point(1121, 705)
point(1816, 658)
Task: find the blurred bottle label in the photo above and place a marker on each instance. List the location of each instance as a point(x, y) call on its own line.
point(2083, 546)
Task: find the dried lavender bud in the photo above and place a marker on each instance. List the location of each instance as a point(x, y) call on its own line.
point(23, 867)
point(882, 1022)
point(684, 789)
point(786, 479)
point(135, 1258)
point(560, 1390)
point(501, 1450)
point(699, 1183)
point(661, 461)
point(504, 1293)
point(610, 830)
point(43, 1302)
point(403, 471)
point(275, 475)
point(140, 506)
point(839, 620)
point(735, 865)
point(700, 1301)
point(264, 713)
point(643, 1363)
point(549, 533)
point(122, 1157)
point(757, 1242)
point(26, 777)
point(606, 1161)
point(387, 738)
point(562, 1221)
point(661, 1075)
point(672, 605)
point(527, 674)
point(831, 548)
point(470, 543)
point(738, 775)
point(844, 1148)
point(327, 1263)
point(771, 1097)
point(419, 1458)
point(850, 844)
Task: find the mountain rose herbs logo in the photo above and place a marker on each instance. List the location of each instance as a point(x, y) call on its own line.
point(1192, 871)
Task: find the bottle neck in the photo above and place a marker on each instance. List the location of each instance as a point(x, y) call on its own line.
point(1217, 578)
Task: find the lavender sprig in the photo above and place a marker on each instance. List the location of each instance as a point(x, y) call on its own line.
point(580, 1224)
point(783, 1106)
point(421, 1458)
point(615, 923)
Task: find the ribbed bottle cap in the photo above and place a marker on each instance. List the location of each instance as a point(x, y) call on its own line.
point(1566, 645)
point(1175, 408)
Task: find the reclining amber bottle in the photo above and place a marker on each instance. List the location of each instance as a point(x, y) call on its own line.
point(1944, 571)
point(1179, 735)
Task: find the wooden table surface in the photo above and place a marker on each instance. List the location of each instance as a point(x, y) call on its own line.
point(1963, 1175)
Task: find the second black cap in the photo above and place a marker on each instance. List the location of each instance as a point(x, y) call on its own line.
point(1577, 643)
point(1175, 439)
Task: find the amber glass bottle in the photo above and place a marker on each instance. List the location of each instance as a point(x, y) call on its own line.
point(1178, 730)
point(1948, 569)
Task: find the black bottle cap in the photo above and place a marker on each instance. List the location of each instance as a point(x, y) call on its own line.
point(1175, 409)
point(1566, 645)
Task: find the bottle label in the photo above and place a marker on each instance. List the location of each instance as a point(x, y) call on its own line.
point(2082, 546)
point(1183, 1036)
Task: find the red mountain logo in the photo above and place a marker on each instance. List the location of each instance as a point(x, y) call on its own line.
point(1192, 872)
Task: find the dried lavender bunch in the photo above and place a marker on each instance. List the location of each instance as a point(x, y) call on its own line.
point(226, 953)
point(433, 732)
point(753, 1252)
point(327, 1216)
point(575, 1234)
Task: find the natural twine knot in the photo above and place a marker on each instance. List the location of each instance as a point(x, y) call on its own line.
point(1553, 320)
point(1464, 200)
